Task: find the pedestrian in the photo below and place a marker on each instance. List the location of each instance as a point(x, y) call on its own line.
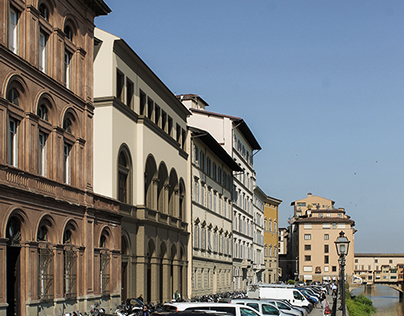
point(334, 289)
point(144, 311)
point(177, 296)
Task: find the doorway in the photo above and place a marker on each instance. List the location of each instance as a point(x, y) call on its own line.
point(13, 280)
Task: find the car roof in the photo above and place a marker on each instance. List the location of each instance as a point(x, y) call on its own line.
point(189, 313)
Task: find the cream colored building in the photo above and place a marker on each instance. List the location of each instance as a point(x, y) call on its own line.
point(141, 159)
point(258, 240)
point(212, 182)
point(236, 138)
point(316, 226)
point(271, 240)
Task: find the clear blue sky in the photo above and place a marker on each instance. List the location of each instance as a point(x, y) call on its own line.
point(320, 84)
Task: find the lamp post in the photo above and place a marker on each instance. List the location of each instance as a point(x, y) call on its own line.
point(342, 245)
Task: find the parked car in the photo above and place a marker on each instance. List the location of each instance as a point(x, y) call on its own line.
point(228, 308)
point(285, 306)
point(264, 307)
point(292, 294)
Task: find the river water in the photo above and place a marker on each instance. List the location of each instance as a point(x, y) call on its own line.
point(385, 300)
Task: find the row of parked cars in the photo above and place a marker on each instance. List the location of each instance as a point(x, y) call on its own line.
point(263, 299)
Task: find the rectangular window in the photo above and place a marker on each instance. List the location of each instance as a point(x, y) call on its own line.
point(326, 248)
point(66, 164)
point(178, 133)
point(220, 205)
point(13, 143)
point(67, 70)
point(150, 108)
point(183, 138)
point(120, 82)
point(142, 105)
point(307, 258)
point(307, 269)
point(157, 115)
point(70, 274)
point(326, 236)
point(341, 226)
point(326, 226)
point(203, 188)
point(13, 31)
point(334, 268)
point(170, 126)
point(307, 236)
point(307, 247)
point(307, 226)
point(130, 91)
point(104, 273)
point(42, 155)
point(42, 51)
point(45, 274)
point(326, 259)
point(163, 120)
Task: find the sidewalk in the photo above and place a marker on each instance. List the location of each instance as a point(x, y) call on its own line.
point(318, 311)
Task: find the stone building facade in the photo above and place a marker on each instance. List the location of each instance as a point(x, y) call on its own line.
point(59, 241)
point(212, 181)
point(237, 139)
point(140, 137)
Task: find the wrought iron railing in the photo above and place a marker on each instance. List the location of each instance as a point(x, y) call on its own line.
point(45, 274)
point(104, 271)
point(70, 274)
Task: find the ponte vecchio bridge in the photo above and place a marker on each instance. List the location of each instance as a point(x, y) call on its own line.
point(380, 268)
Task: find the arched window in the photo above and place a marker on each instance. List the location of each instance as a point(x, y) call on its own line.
point(42, 112)
point(181, 208)
point(69, 264)
point(68, 32)
point(124, 176)
point(104, 263)
point(46, 257)
point(13, 96)
point(13, 232)
point(67, 125)
point(43, 10)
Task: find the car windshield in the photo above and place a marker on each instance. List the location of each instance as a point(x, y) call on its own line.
point(283, 306)
point(254, 305)
point(247, 312)
point(297, 296)
point(229, 310)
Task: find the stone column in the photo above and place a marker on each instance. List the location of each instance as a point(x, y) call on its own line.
point(3, 271)
point(155, 277)
point(167, 292)
point(154, 194)
point(176, 276)
point(166, 192)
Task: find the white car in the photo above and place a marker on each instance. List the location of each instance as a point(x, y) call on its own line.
point(263, 307)
point(232, 309)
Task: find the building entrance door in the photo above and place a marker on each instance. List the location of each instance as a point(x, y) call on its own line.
point(124, 280)
point(13, 280)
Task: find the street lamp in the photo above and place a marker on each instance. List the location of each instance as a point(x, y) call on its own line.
point(342, 245)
